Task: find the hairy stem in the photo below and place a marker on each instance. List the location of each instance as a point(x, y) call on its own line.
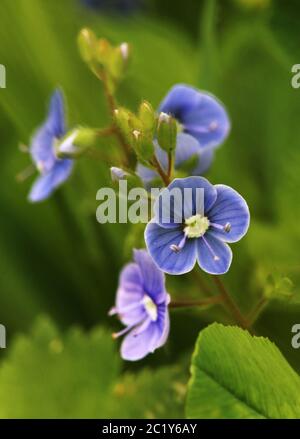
point(165, 178)
point(204, 302)
point(231, 305)
point(112, 105)
point(254, 314)
point(170, 165)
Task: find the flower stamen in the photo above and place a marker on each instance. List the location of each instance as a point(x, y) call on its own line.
point(176, 248)
point(216, 258)
point(124, 309)
point(122, 332)
point(226, 228)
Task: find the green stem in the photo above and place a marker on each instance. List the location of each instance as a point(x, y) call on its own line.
point(170, 165)
point(231, 305)
point(112, 105)
point(165, 178)
point(254, 314)
point(204, 302)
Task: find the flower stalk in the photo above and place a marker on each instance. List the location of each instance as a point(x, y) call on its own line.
point(231, 305)
point(214, 300)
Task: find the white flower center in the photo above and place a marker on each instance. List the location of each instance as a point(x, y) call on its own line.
point(150, 308)
point(196, 226)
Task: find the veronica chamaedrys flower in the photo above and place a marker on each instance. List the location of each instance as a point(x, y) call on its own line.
point(142, 305)
point(196, 229)
point(53, 171)
point(120, 6)
point(203, 125)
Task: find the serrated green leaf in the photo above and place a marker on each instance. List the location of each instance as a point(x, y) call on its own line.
point(50, 374)
point(235, 375)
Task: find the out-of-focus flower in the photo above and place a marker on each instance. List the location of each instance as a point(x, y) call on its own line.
point(203, 125)
point(142, 305)
point(197, 228)
point(121, 6)
point(118, 174)
point(53, 171)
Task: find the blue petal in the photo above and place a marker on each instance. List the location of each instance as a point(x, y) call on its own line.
point(131, 292)
point(146, 174)
point(147, 337)
point(230, 207)
point(194, 195)
point(153, 278)
point(42, 149)
point(46, 183)
point(201, 114)
point(164, 323)
point(158, 241)
point(213, 247)
point(207, 121)
point(179, 101)
point(187, 146)
point(56, 115)
point(135, 347)
point(42, 145)
point(206, 157)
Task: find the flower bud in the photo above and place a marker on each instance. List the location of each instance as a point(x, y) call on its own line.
point(76, 142)
point(87, 43)
point(147, 117)
point(143, 146)
point(167, 132)
point(118, 61)
point(118, 174)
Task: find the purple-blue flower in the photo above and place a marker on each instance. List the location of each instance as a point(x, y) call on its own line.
point(53, 171)
point(203, 126)
point(142, 306)
point(121, 6)
point(196, 226)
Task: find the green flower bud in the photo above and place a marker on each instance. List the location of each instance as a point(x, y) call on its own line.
point(127, 122)
point(87, 43)
point(119, 61)
point(143, 146)
point(76, 142)
point(147, 117)
point(167, 132)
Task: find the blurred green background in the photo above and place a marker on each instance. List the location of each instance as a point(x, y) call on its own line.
point(56, 260)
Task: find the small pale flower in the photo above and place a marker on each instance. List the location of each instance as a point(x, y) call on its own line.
point(53, 171)
point(142, 306)
point(196, 230)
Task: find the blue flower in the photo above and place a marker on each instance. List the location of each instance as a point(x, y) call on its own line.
point(121, 6)
point(53, 171)
point(142, 305)
point(195, 228)
point(203, 125)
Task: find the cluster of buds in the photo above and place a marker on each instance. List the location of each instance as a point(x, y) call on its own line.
point(107, 62)
point(142, 128)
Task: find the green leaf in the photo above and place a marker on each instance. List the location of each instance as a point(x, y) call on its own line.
point(77, 375)
point(61, 375)
point(235, 375)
